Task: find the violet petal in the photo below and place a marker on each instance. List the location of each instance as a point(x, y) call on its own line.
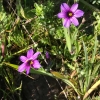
point(74, 21)
point(64, 7)
point(74, 7)
point(66, 23)
point(78, 13)
point(61, 15)
point(22, 67)
point(30, 53)
point(35, 56)
point(23, 58)
point(36, 64)
point(27, 69)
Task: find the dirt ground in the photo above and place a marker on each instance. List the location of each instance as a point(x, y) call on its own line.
point(41, 88)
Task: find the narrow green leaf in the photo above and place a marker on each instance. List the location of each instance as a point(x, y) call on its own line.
point(77, 47)
point(86, 54)
point(12, 65)
point(71, 67)
point(57, 75)
point(71, 84)
point(40, 71)
point(68, 39)
point(23, 50)
point(95, 49)
point(22, 12)
point(43, 72)
point(96, 67)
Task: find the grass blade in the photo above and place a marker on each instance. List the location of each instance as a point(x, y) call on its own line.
point(95, 49)
point(86, 54)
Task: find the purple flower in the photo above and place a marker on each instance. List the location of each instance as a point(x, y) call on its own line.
point(29, 61)
point(70, 14)
point(47, 55)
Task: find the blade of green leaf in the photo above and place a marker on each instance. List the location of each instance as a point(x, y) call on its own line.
point(71, 84)
point(12, 65)
point(68, 40)
point(95, 49)
point(86, 54)
point(22, 12)
point(40, 71)
point(96, 67)
point(57, 75)
point(70, 66)
point(43, 72)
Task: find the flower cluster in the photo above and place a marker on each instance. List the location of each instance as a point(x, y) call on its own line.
point(29, 61)
point(70, 14)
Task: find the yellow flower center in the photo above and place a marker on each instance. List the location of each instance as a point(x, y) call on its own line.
point(70, 14)
point(31, 62)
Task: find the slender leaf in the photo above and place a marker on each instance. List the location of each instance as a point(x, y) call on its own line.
point(95, 49)
point(68, 39)
point(86, 54)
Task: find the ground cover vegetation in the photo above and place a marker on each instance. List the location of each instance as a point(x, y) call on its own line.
point(48, 42)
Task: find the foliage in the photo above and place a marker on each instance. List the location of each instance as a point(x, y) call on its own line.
point(74, 53)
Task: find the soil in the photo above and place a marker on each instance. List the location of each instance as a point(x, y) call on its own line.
point(38, 87)
point(41, 88)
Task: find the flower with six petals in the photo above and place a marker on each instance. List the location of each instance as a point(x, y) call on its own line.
point(70, 14)
point(29, 61)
